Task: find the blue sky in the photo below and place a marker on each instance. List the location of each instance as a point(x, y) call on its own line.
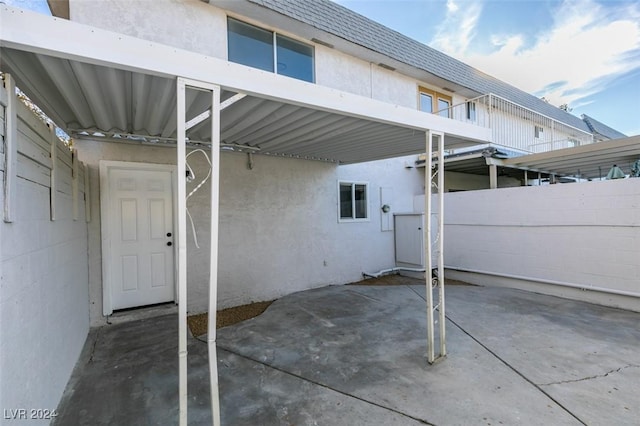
point(582, 52)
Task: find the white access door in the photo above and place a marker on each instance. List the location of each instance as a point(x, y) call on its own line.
point(409, 240)
point(141, 237)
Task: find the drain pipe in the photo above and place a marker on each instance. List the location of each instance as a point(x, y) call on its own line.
point(545, 281)
point(391, 270)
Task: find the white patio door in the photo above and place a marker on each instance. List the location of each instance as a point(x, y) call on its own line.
point(141, 235)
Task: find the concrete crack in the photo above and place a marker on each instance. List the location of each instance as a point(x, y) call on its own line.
point(93, 347)
point(597, 376)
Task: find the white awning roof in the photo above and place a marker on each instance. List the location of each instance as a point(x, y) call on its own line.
point(91, 80)
point(588, 161)
point(591, 161)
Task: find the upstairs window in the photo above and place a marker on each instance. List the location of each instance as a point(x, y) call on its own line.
point(434, 102)
point(256, 47)
point(249, 45)
point(353, 201)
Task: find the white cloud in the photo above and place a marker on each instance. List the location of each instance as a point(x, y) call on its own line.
point(458, 28)
point(586, 48)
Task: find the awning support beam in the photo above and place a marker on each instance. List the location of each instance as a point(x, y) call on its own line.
point(206, 114)
point(182, 248)
point(11, 150)
point(183, 85)
point(434, 242)
point(213, 259)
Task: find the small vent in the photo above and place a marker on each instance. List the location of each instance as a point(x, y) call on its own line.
point(386, 67)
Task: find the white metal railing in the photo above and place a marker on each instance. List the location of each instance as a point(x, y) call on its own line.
point(517, 127)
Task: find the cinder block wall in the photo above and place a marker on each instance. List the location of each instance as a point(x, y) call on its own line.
point(44, 318)
point(584, 234)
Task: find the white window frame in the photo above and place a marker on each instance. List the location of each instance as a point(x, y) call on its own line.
point(436, 97)
point(353, 202)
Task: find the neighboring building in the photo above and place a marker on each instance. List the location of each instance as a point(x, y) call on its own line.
point(302, 119)
point(601, 132)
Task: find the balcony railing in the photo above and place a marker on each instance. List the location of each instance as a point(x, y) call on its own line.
point(517, 127)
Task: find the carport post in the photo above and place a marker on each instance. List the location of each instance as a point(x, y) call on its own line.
point(182, 247)
point(182, 85)
point(441, 311)
point(213, 260)
point(429, 246)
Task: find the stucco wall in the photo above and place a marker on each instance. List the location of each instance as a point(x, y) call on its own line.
point(44, 316)
point(279, 230)
point(196, 26)
point(187, 24)
point(583, 234)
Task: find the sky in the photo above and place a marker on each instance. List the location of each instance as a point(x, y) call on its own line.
point(584, 53)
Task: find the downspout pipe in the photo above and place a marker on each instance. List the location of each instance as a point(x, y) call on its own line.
point(392, 270)
point(546, 281)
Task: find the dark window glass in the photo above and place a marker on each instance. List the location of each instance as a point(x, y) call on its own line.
point(346, 207)
point(471, 111)
point(294, 59)
point(249, 45)
point(361, 201)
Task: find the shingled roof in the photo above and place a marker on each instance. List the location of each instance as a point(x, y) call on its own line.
point(598, 128)
point(339, 21)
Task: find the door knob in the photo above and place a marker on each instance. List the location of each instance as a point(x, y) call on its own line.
point(168, 234)
point(169, 243)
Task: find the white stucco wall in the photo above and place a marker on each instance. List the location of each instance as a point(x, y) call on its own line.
point(279, 230)
point(585, 234)
point(196, 26)
point(44, 318)
point(187, 24)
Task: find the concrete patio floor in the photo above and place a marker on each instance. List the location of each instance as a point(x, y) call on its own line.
point(356, 355)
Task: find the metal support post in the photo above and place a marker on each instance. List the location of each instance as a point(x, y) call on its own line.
point(11, 150)
point(434, 242)
point(493, 176)
point(427, 246)
point(182, 248)
point(213, 260)
point(183, 125)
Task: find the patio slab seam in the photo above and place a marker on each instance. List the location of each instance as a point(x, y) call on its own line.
point(322, 385)
point(511, 367)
